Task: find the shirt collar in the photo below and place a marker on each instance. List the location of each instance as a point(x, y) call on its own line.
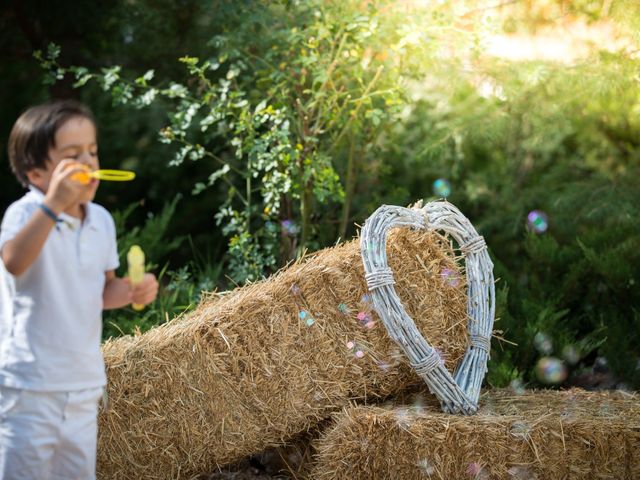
point(89, 220)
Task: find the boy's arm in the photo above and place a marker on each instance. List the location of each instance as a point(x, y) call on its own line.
point(22, 250)
point(118, 292)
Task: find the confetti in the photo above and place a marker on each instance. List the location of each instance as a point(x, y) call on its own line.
point(302, 315)
point(343, 308)
point(361, 316)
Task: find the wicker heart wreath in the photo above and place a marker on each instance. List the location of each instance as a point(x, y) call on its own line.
point(458, 393)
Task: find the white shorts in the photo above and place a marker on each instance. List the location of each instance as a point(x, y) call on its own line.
point(48, 435)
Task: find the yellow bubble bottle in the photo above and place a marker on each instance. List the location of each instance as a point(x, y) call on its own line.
point(135, 261)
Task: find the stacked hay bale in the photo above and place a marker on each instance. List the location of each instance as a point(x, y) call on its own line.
point(542, 435)
point(253, 368)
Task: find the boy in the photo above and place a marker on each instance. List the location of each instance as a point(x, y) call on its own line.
point(59, 250)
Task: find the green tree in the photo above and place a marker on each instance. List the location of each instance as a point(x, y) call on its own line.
point(287, 122)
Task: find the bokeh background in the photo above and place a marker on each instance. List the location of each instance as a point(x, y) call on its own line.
point(261, 130)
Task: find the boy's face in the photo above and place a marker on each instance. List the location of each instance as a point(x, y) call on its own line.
point(75, 140)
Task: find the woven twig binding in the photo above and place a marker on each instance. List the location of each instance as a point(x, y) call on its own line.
point(458, 393)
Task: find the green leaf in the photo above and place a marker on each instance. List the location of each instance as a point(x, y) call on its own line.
point(144, 79)
point(53, 51)
point(218, 173)
point(260, 107)
point(82, 81)
point(110, 76)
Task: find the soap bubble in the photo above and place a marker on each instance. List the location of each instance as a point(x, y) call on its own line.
point(384, 366)
point(538, 221)
point(450, 276)
point(442, 188)
point(551, 370)
point(606, 410)
point(521, 473)
point(418, 405)
point(520, 430)
point(371, 245)
point(517, 386)
point(543, 343)
point(476, 472)
point(425, 467)
point(289, 227)
point(624, 387)
point(474, 468)
point(571, 354)
point(601, 365)
point(294, 458)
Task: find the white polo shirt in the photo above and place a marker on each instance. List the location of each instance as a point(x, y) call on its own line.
point(50, 336)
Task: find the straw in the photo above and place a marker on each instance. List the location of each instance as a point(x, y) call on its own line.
point(255, 367)
point(544, 435)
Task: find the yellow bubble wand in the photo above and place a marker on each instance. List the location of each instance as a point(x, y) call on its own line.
point(104, 174)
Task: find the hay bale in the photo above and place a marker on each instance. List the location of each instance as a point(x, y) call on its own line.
point(244, 371)
point(542, 435)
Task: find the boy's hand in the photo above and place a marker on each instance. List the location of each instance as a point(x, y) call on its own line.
point(146, 291)
point(63, 191)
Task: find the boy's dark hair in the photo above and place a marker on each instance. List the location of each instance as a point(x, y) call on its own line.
point(34, 133)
